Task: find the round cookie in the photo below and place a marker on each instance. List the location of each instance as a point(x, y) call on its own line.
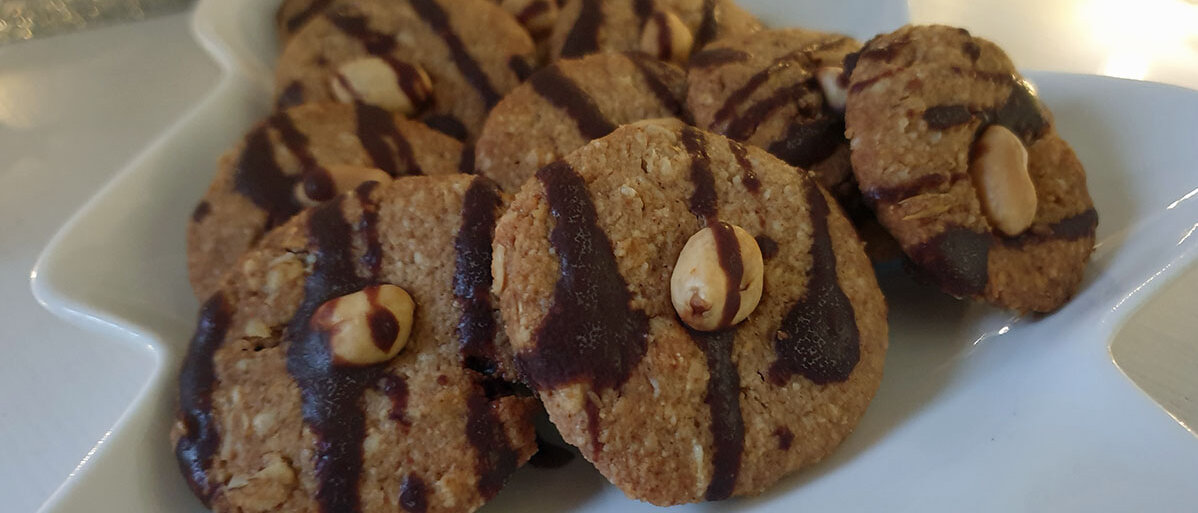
point(590, 26)
point(762, 89)
point(562, 107)
point(919, 99)
point(469, 70)
point(271, 418)
point(582, 267)
point(259, 183)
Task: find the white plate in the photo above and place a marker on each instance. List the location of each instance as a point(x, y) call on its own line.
point(978, 411)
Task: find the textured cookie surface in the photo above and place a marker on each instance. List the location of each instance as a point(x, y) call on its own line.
point(257, 183)
point(268, 421)
point(590, 26)
point(469, 69)
point(761, 88)
point(918, 99)
point(583, 260)
point(567, 104)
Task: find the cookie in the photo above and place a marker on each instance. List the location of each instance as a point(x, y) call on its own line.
point(289, 396)
point(583, 266)
point(562, 107)
point(425, 58)
point(591, 26)
point(964, 167)
point(764, 89)
point(296, 158)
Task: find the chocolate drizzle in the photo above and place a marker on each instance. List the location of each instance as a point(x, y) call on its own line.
point(495, 459)
point(413, 494)
point(658, 76)
point(583, 37)
point(383, 141)
point(259, 177)
point(957, 259)
point(748, 176)
point(448, 125)
point(372, 258)
point(818, 337)
point(358, 27)
point(723, 384)
point(472, 277)
point(201, 437)
point(785, 438)
point(1071, 228)
point(396, 389)
point(810, 142)
point(769, 247)
point(942, 117)
point(316, 7)
point(201, 212)
point(591, 333)
point(717, 57)
point(519, 65)
point(709, 26)
point(643, 9)
point(436, 18)
point(563, 93)
point(331, 394)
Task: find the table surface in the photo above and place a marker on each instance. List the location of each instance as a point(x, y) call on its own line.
point(63, 133)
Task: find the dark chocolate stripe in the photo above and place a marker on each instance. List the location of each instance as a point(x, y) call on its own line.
point(564, 94)
point(448, 125)
point(748, 177)
point(408, 78)
point(466, 161)
point(382, 140)
point(818, 337)
point(396, 389)
point(723, 384)
point(717, 57)
point(495, 459)
point(957, 259)
point(742, 93)
point(809, 142)
point(472, 276)
point(703, 199)
point(358, 27)
point(520, 66)
point(201, 212)
point(942, 117)
point(591, 333)
point(643, 9)
point(291, 96)
point(372, 258)
point(727, 424)
point(259, 176)
point(316, 7)
point(413, 494)
point(659, 76)
point(201, 438)
point(925, 183)
point(1071, 228)
point(331, 394)
point(591, 408)
point(709, 26)
point(744, 126)
point(583, 37)
point(785, 438)
point(436, 18)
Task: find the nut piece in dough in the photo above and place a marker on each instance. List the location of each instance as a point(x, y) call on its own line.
point(835, 86)
point(706, 288)
point(367, 327)
point(319, 185)
point(665, 37)
point(999, 172)
point(384, 82)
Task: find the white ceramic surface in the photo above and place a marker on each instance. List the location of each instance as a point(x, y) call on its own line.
point(977, 411)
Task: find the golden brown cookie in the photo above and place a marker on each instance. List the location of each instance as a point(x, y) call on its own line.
point(764, 89)
point(569, 103)
point(425, 58)
point(964, 167)
point(291, 394)
point(297, 158)
point(583, 264)
point(590, 26)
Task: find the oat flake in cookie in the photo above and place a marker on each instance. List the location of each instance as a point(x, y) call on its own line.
point(963, 165)
point(287, 398)
point(297, 158)
point(583, 264)
point(569, 103)
point(428, 59)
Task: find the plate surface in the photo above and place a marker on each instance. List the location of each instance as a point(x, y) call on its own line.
point(978, 410)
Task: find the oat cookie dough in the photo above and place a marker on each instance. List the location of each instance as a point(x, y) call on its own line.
point(781, 90)
point(297, 158)
point(351, 361)
point(427, 59)
point(670, 29)
point(569, 103)
point(585, 264)
point(963, 165)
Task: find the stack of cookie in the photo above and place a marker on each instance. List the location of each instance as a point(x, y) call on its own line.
point(629, 213)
